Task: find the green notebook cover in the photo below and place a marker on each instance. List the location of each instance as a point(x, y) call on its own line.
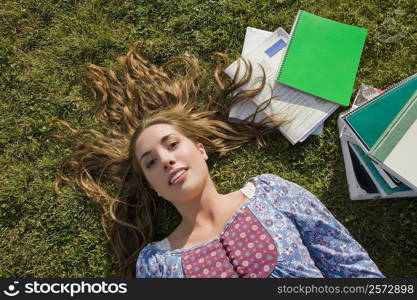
point(396, 131)
point(322, 57)
point(370, 121)
point(397, 146)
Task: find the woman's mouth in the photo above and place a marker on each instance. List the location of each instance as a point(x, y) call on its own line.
point(179, 177)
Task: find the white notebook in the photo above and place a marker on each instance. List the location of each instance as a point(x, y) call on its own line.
point(307, 112)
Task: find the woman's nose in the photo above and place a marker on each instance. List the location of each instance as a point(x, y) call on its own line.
point(169, 162)
point(167, 159)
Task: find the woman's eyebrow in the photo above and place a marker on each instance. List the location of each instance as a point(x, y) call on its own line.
point(163, 140)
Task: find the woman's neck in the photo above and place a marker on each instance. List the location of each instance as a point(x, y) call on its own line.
point(204, 217)
point(201, 210)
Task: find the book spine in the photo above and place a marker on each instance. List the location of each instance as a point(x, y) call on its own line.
point(293, 29)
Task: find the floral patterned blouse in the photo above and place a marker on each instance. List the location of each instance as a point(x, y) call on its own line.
point(282, 230)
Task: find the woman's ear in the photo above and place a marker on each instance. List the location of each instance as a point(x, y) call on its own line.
point(202, 150)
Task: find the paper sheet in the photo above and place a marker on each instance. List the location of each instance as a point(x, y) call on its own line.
point(307, 112)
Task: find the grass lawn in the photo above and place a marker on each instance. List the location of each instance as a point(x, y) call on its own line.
point(45, 43)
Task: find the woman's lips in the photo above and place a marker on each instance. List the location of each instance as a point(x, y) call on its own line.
point(181, 178)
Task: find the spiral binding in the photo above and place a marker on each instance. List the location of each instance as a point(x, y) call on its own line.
point(294, 28)
point(386, 91)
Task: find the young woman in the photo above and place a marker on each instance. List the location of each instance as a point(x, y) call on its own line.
point(156, 147)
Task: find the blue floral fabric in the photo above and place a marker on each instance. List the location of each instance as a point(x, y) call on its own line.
point(310, 242)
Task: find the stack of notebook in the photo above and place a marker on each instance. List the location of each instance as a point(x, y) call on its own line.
point(309, 73)
point(379, 142)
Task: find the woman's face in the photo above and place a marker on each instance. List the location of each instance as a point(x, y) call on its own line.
point(174, 166)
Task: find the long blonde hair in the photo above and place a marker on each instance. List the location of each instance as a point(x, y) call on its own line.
point(142, 95)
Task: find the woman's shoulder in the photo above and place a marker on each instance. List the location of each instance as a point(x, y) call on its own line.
point(148, 254)
point(266, 177)
point(276, 181)
point(273, 186)
point(154, 262)
point(253, 184)
point(162, 244)
point(149, 261)
point(270, 180)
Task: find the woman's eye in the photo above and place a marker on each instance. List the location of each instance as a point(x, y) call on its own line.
point(150, 163)
point(173, 144)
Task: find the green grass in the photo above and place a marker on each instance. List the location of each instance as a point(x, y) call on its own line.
point(43, 47)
